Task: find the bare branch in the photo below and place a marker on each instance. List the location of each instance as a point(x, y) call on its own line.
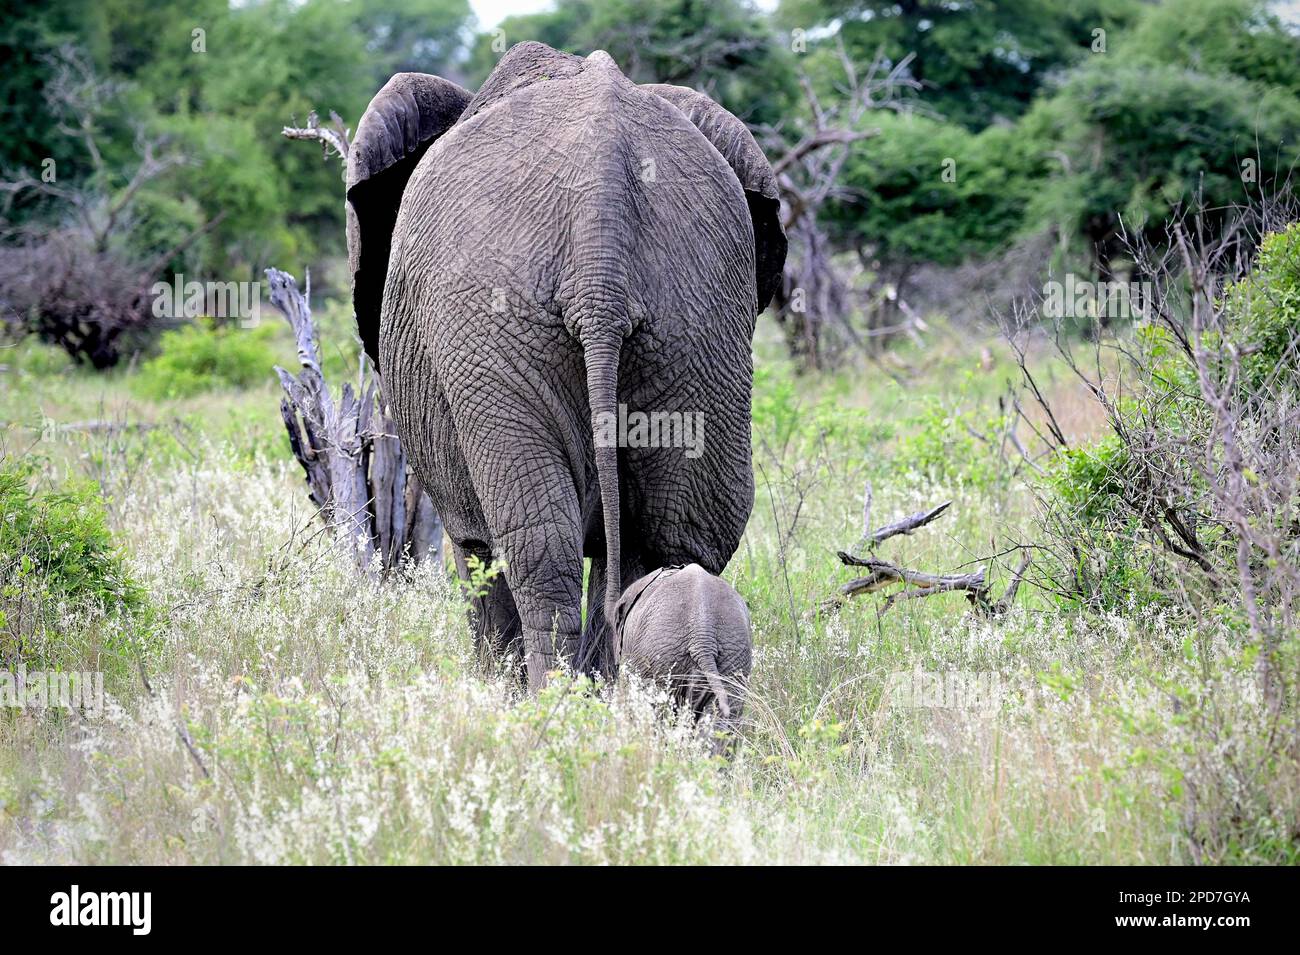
point(808, 159)
point(335, 137)
point(884, 574)
point(905, 525)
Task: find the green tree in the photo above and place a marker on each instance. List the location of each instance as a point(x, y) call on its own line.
point(980, 60)
point(927, 191)
point(1135, 142)
point(421, 36)
point(30, 34)
point(1233, 37)
point(219, 80)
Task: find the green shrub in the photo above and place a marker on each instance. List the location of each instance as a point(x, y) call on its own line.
point(206, 356)
point(1150, 166)
point(776, 409)
point(1265, 309)
point(336, 332)
point(943, 444)
point(56, 544)
point(1140, 515)
point(1108, 559)
point(1088, 478)
point(33, 357)
point(68, 602)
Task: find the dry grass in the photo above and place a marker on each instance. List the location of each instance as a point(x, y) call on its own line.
point(335, 722)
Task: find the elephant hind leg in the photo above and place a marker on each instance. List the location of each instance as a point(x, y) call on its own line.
point(534, 522)
point(544, 568)
point(493, 615)
point(550, 631)
point(524, 460)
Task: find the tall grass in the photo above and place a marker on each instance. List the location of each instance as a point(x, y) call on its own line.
point(286, 712)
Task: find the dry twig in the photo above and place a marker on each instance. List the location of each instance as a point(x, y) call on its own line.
point(918, 583)
point(335, 137)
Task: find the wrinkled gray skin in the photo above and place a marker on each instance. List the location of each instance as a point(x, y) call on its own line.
point(689, 629)
point(563, 242)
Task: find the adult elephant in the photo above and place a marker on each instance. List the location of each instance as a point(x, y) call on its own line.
point(524, 262)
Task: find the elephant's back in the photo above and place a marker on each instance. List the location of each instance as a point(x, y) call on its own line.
point(586, 186)
point(591, 196)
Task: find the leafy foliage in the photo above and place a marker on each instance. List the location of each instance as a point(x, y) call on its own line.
point(1141, 505)
point(206, 355)
point(220, 80)
point(56, 545)
point(927, 191)
point(1266, 307)
point(1242, 38)
point(1173, 139)
point(981, 61)
point(944, 444)
point(1034, 124)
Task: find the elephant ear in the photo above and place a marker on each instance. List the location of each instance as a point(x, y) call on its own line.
point(733, 140)
point(397, 128)
point(623, 608)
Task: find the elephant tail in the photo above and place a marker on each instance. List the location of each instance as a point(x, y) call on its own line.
point(601, 355)
point(708, 665)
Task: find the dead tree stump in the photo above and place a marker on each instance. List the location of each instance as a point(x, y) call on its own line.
point(354, 462)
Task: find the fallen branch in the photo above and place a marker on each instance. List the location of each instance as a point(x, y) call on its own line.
point(918, 583)
point(883, 574)
point(906, 525)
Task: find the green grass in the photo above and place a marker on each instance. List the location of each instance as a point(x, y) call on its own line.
point(337, 721)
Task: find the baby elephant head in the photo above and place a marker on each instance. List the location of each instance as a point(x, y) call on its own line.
point(689, 629)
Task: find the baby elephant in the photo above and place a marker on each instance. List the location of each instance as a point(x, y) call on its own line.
point(690, 629)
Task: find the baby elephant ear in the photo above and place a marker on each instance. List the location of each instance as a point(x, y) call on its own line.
point(623, 609)
point(397, 128)
point(733, 140)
